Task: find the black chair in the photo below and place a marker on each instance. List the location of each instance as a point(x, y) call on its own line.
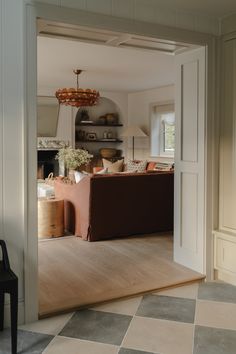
point(8, 284)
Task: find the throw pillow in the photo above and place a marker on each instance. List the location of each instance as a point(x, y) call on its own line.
point(151, 165)
point(136, 166)
point(104, 170)
point(113, 166)
point(79, 176)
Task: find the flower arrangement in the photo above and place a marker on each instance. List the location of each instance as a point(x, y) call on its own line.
point(73, 158)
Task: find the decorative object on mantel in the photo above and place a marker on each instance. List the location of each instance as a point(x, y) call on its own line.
point(133, 131)
point(77, 97)
point(102, 120)
point(111, 118)
point(91, 136)
point(50, 179)
point(82, 117)
point(73, 158)
point(80, 135)
point(108, 119)
point(109, 134)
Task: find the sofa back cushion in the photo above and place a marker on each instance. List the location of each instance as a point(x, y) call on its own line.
point(113, 166)
point(151, 165)
point(136, 166)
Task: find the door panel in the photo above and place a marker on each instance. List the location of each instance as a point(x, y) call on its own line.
point(189, 111)
point(189, 182)
point(189, 230)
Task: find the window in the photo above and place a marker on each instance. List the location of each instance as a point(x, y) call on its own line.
point(167, 133)
point(163, 130)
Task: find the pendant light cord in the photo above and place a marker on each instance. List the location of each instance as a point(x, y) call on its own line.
point(77, 72)
point(77, 81)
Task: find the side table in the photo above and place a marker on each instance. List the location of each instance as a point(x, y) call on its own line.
point(50, 217)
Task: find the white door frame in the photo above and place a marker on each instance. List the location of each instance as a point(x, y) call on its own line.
point(79, 17)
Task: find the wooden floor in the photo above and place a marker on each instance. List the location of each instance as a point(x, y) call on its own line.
point(75, 273)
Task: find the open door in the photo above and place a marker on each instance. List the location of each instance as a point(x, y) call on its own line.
point(189, 228)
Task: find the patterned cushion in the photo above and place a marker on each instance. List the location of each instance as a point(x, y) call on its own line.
point(113, 166)
point(136, 166)
point(151, 165)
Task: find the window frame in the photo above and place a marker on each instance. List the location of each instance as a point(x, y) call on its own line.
point(162, 135)
point(157, 148)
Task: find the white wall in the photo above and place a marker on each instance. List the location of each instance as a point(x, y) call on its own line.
point(135, 108)
point(225, 235)
point(12, 134)
point(139, 112)
point(228, 24)
point(121, 100)
point(66, 121)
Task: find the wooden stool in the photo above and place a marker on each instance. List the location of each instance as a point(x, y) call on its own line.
point(50, 217)
point(8, 284)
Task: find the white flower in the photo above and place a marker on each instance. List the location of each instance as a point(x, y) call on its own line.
point(73, 158)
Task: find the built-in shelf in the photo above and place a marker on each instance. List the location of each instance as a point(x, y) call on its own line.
point(98, 125)
point(100, 141)
point(101, 121)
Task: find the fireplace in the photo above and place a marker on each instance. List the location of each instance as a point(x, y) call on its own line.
point(47, 163)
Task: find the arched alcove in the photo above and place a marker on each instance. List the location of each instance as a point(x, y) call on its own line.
point(105, 105)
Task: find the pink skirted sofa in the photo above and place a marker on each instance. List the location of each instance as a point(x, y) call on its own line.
point(106, 206)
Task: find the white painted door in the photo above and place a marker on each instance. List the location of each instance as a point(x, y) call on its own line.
point(189, 230)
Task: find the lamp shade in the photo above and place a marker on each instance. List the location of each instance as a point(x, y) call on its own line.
point(133, 130)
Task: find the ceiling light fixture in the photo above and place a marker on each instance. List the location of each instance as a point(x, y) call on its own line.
point(77, 97)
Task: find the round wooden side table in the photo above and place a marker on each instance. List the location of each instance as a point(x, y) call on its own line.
point(50, 217)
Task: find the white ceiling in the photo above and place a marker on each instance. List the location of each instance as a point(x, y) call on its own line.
point(215, 8)
point(107, 68)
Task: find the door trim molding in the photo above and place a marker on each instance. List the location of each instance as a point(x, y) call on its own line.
point(72, 16)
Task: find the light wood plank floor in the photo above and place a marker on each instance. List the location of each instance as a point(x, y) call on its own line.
point(75, 273)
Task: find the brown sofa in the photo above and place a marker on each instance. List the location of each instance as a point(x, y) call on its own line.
point(106, 206)
point(151, 165)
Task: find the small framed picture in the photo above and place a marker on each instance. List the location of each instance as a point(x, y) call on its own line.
point(91, 136)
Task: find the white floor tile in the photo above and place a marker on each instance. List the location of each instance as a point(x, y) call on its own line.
point(62, 345)
point(187, 291)
point(52, 325)
point(216, 314)
point(159, 336)
point(124, 307)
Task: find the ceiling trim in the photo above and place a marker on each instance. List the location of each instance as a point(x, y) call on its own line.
point(110, 38)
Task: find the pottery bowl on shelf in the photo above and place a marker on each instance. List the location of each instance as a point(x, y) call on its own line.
point(111, 118)
point(108, 153)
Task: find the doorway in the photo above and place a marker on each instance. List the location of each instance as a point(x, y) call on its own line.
point(126, 58)
point(204, 42)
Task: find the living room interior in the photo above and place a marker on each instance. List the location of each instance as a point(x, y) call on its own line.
point(211, 24)
point(136, 86)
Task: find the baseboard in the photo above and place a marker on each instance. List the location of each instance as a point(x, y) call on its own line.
point(21, 314)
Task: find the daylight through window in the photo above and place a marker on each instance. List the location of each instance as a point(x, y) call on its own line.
point(163, 130)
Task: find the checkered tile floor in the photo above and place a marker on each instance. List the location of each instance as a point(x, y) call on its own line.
point(193, 319)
